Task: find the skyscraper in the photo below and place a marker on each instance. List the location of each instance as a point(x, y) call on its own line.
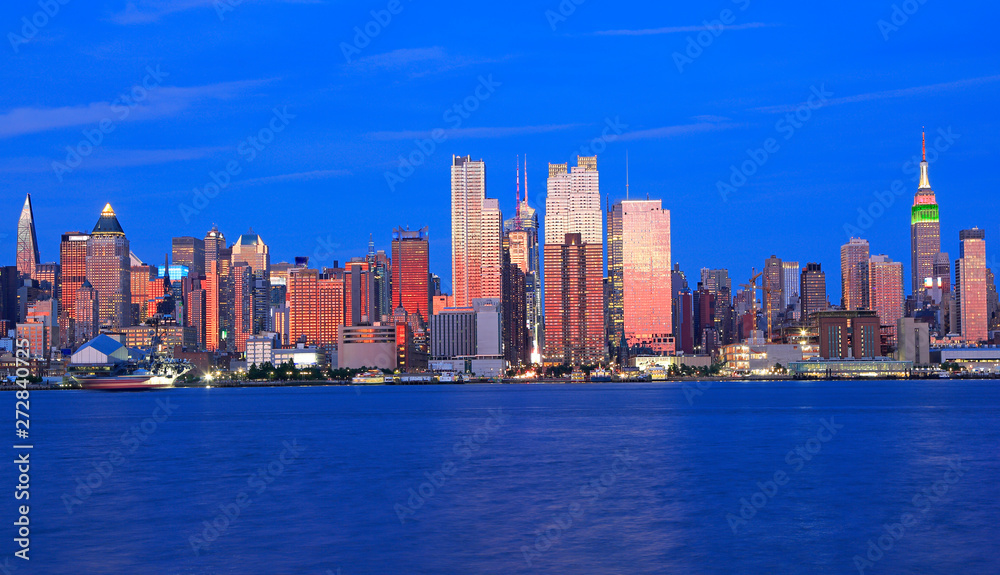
point(882, 291)
point(109, 270)
point(303, 301)
point(382, 266)
point(73, 266)
point(852, 254)
point(639, 269)
point(573, 205)
point(27, 243)
point(791, 288)
point(190, 252)
point(491, 283)
point(468, 190)
point(970, 286)
point(410, 271)
point(523, 243)
point(214, 242)
point(574, 302)
point(925, 230)
point(774, 284)
point(516, 336)
point(87, 306)
point(251, 250)
point(813, 290)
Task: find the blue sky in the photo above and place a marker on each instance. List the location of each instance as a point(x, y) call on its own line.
point(201, 78)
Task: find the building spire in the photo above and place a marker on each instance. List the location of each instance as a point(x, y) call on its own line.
point(925, 182)
point(526, 178)
point(517, 197)
point(626, 174)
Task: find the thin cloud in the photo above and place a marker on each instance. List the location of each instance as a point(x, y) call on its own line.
point(666, 132)
point(149, 11)
point(112, 159)
point(683, 29)
point(418, 62)
point(886, 94)
point(160, 102)
point(297, 177)
point(459, 133)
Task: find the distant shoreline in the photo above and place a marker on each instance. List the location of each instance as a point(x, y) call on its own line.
point(547, 381)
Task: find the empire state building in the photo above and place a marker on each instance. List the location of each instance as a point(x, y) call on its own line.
point(925, 230)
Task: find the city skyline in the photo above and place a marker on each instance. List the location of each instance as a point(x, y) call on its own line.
point(326, 255)
point(354, 119)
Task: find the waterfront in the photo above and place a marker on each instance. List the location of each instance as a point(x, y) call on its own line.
point(598, 478)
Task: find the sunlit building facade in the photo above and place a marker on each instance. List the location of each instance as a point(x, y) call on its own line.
point(574, 302)
point(27, 242)
point(852, 255)
point(411, 271)
point(109, 269)
point(970, 287)
point(882, 291)
point(639, 268)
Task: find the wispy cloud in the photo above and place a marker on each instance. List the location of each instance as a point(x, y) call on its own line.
point(666, 132)
point(149, 11)
point(297, 177)
point(682, 29)
point(110, 158)
point(486, 132)
point(417, 62)
point(886, 94)
point(161, 102)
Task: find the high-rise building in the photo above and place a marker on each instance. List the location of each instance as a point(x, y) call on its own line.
point(87, 310)
point(359, 293)
point(214, 242)
point(774, 290)
point(27, 243)
point(251, 250)
point(573, 204)
point(925, 230)
point(516, 336)
point(194, 308)
point(141, 276)
point(243, 305)
point(303, 301)
point(468, 191)
point(522, 239)
point(882, 291)
point(380, 262)
point(49, 278)
point(411, 271)
point(574, 302)
point(970, 286)
point(73, 266)
point(491, 283)
point(852, 255)
point(109, 268)
point(190, 252)
point(813, 290)
point(330, 290)
point(791, 289)
point(640, 274)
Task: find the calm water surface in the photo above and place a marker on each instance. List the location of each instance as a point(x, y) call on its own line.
point(773, 477)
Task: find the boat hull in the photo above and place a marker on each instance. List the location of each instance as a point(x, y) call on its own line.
point(127, 383)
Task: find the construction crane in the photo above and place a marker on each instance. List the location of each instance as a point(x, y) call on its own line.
point(766, 292)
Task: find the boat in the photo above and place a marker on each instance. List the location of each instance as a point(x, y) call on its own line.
point(160, 375)
point(657, 373)
point(600, 375)
point(373, 377)
point(578, 375)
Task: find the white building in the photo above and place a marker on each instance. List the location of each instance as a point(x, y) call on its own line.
point(573, 204)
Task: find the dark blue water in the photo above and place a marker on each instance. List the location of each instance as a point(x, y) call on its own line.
point(563, 479)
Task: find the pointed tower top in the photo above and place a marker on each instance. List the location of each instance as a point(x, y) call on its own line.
point(27, 241)
point(925, 182)
point(107, 211)
point(108, 224)
point(526, 178)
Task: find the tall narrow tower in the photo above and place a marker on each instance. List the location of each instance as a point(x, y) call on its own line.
point(925, 230)
point(27, 243)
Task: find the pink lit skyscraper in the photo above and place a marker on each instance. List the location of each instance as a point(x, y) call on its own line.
point(639, 268)
point(882, 291)
point(852, 255)
point(970, 286)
